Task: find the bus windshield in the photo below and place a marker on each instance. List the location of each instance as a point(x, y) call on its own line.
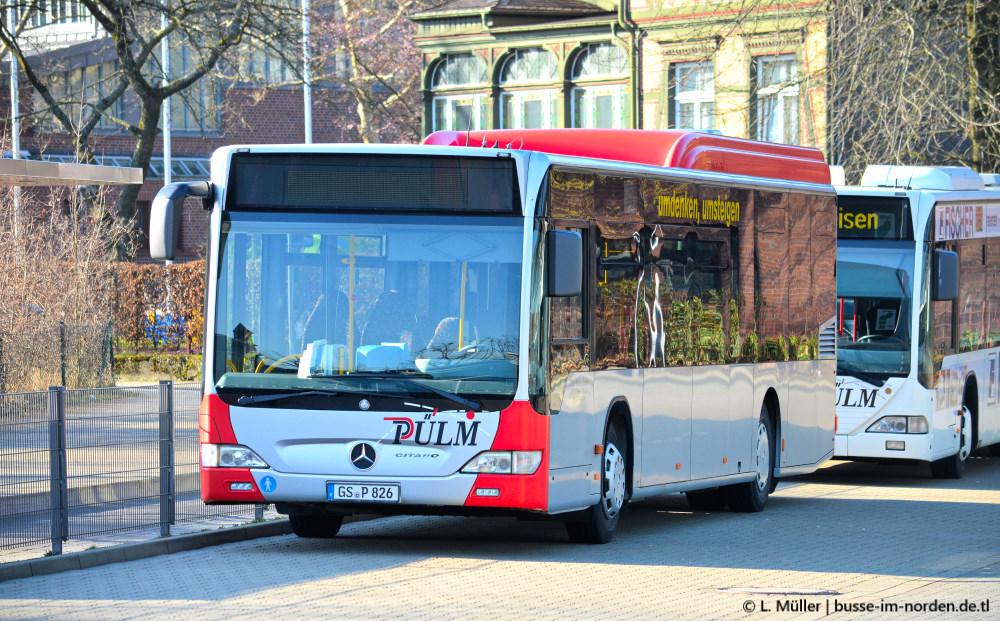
point(873, 314)
point(353, 304)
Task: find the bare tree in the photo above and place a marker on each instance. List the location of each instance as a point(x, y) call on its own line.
point(914, 82)
point(365, 51)
point(207, 30)
point(55, 305)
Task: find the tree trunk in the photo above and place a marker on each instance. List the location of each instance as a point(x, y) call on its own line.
point(125, 209)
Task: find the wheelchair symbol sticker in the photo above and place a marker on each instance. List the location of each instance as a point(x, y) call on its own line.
point(267, 484)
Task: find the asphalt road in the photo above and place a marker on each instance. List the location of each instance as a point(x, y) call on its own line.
point(861, 539)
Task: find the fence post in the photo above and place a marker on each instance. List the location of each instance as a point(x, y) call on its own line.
point(62, 351)
point(58, 492)
point(3, 368)
point(166, 456)
point(111, 351)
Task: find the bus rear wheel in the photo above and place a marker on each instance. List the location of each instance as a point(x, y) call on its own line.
point(598, 524)
point(751, 496)
point(316, 526)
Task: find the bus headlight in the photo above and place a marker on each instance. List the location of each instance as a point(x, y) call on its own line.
point(504, 462)
point(229, 456)
point(899, 424)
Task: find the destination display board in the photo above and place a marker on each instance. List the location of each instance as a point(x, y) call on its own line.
point(874, 217)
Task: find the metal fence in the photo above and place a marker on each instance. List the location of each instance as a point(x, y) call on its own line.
point(80, 462)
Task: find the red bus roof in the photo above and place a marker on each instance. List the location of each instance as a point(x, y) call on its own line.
point(670, 148)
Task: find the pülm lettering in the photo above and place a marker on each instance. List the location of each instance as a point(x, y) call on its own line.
point(863, 398)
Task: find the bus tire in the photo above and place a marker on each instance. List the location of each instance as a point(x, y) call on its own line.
point(953, 466)
point(316, 526)
point(707, 500)
point(751, 496)
point(598, 523)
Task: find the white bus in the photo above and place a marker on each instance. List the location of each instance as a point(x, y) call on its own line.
point(538, 330)
point(918, 287)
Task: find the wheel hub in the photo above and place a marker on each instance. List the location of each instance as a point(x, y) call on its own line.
point(763, 457)
point(614, 481)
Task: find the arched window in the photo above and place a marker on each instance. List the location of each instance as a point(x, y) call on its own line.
point(600, 87)
point(528, 80)
point(466, 108)
point(460, 70)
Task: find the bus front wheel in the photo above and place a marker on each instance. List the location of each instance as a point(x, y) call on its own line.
point(598, 524)
point(752, 496)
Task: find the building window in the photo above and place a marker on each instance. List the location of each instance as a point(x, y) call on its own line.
point(600, 92)
point(197, 107)
point(77, 91)
point(694, 95)
point(532, 107)
point(777, 101)
point(461, 110)
point(460, 70)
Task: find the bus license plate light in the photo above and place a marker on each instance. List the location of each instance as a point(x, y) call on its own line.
point(362, 492)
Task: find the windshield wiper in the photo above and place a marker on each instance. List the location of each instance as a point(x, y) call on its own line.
point(864, 377)
point(407, 379)
point(251, 399)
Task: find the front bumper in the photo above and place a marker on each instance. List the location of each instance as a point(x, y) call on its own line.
point(873, 445)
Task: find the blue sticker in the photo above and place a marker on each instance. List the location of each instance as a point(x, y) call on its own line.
point(267, 484)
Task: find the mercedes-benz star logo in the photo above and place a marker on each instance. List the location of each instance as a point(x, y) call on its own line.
point(363, 456)
point(364, 404)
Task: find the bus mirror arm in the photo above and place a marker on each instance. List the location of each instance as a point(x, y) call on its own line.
point(944, 279)
point(565, 263)
point(165, 216)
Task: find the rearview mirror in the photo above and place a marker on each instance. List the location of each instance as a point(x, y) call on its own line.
point(165, 217)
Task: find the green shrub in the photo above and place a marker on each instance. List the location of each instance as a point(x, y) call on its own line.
point(183, 367)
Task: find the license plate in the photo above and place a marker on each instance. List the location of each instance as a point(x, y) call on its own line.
point(362, 492)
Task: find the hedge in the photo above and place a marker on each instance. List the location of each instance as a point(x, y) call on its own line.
point(184, 367)
point(159, 305)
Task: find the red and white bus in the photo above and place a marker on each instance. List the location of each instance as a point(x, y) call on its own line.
point(549, 322)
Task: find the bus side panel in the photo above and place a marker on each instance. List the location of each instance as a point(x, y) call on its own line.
point(710, 421)
point(666, 426)
point(989, 400)
point(572, 460)
point(624, 385)
point(800, 433)
point(743, 414)
point(955, 372)
point(768, 376)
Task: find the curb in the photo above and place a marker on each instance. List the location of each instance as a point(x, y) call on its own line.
point(146, 549)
